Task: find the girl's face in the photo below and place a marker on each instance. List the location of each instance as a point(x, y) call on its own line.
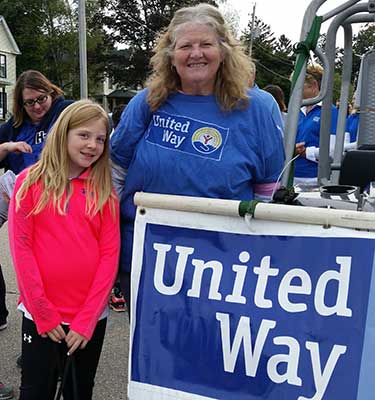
point(85, 145)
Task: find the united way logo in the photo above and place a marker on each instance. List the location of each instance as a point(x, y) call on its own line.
point(206, 140)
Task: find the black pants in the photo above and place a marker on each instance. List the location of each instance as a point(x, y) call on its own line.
point(3, 308)
point(125, 288)
point(43, 361)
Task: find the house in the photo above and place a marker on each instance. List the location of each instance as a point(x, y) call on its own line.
point(8, 53)
point(120, 96)
point(112, 96)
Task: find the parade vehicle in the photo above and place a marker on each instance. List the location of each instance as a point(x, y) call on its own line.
point(344, 175)
point(238, 300)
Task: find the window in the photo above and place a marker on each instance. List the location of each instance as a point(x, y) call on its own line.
point(3, 104)
point(3, 66)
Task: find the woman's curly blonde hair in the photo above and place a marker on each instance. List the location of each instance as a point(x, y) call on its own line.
point(233, 75)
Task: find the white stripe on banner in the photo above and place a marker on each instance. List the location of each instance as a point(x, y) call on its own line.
point(142, 391)
point(231, 308)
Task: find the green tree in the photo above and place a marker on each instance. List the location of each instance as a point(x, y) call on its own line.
point(46, 32)
point(273, 57)
point(28, 26)
point(134, 26)
point(363, 42)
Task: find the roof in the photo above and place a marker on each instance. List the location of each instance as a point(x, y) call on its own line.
point(12, 42)
point(122, 94)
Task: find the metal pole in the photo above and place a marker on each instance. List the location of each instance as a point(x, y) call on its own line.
point(252, 31)
point(82, 49)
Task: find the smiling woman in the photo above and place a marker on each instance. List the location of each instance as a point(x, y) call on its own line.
point(197, 129)
point(37, 103)
point(197, 57)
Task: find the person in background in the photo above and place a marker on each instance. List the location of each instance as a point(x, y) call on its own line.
point(308, 131)
point(37, 103)
point(116, 114)
point(352, 121)
point(279, 96)
point(116, 299)
point(352, 124)
point(196, 129)
point(64, 240)
point(268, 100)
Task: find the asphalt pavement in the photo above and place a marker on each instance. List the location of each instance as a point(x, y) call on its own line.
point(111, 378)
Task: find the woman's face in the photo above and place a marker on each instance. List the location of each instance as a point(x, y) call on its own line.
point(310, 89)
point(197, 57)
point(36, 103)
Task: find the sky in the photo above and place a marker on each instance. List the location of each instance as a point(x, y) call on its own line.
point(284, 16)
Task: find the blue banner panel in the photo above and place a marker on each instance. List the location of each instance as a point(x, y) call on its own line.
point(235, 316)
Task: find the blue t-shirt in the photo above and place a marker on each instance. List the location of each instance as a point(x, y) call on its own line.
point(33, 134)
point(35, 137)
point(191, 147)
point(308, 131)
point(352, 122)
point(271, 103)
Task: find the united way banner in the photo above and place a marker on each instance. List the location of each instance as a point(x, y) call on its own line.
point(225, 308)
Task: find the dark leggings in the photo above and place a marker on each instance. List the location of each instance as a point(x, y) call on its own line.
point(43, 361)
point(125, 287)
point(3, 308)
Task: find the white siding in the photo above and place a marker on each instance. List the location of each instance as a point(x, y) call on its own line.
point(11, 76)
point(7, 49)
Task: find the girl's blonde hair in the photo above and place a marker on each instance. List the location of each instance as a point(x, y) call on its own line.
point(53, 167)
point(233, 75)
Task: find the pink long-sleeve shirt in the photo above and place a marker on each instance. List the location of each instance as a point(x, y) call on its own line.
point(65, 264)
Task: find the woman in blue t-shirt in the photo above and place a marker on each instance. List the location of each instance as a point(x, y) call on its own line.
point(195, 130)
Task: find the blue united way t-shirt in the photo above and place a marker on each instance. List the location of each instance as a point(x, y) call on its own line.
point(191, 147)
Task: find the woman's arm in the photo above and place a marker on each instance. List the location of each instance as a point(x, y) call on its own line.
point(118, 178)
point(133, 124)
point(14, 147)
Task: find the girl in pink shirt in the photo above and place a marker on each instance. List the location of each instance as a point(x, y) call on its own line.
point(64, 240)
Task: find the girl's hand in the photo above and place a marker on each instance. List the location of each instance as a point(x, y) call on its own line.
point(74, 341)
point(56, 334)
point(19, 147)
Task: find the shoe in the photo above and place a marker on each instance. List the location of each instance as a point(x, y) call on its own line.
point(3, 325)
point(19, 361)
point(6, 393)
point(117, 301)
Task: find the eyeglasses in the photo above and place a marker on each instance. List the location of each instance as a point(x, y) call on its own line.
point(31, 102)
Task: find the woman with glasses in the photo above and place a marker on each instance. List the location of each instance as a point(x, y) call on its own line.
point(36, 105)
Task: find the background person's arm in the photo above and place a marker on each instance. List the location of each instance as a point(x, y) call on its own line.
point(14, 147)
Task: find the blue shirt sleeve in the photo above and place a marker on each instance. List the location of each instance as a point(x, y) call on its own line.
point(334, 117)
point(271, 148)
point(133, 124)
